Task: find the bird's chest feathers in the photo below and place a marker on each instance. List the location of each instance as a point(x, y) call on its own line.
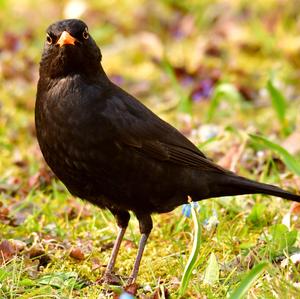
point(66, 108)
point(68, 113)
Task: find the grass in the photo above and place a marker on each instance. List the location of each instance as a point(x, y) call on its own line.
point(205, 68)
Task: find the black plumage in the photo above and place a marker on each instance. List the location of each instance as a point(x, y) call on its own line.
point(111, 150)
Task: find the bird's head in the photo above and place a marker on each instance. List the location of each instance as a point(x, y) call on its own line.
point(69, 49)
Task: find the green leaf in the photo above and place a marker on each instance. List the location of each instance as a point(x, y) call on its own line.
point(279, 103)
point(61, 279)
point(194, 253)
point(3, 274)
point(224, 91)
point(185, 105)
point(27, 282)
point(257, 217)
point(41, 292)
point(281, 238)
point(291, 163)
point(248, 281)
point(212, 270)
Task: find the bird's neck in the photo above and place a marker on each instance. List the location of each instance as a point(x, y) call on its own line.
point(91, 73)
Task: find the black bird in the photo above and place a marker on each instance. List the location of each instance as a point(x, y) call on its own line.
point(109, 149)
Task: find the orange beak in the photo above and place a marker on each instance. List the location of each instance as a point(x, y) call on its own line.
point(66, 39)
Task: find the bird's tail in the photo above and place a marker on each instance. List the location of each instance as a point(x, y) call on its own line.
point(237, 185)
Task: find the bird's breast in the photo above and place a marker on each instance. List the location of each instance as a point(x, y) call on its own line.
point(66, 131)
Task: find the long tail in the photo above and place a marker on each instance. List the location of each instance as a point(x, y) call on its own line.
point(237, 185)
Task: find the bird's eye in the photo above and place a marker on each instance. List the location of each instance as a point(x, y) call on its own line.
point(49, 39)
point(85, 33)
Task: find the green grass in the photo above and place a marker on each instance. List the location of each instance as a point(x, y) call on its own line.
point(245, 117)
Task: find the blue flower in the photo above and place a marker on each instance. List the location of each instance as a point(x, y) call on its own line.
point(212, 222)
point(186, 208)
point(126, 295)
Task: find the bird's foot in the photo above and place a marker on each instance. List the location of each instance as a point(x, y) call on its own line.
point(111, 278)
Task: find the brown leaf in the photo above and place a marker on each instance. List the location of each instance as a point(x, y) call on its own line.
point(17, 219)
point(231, 158)
point(107, 246)
point(129, 244)
point(4, 213)
point(96, 263)
point(295, 208)
point(77, 254)
point(7, 251)
point(12, 41)
point(292, 143)
point(18, 245)
point(248, 93)
point(161, 292)
point(36, 251)
point(18, 159)
point(43, 176)
point(74, 209)
point(131, 289)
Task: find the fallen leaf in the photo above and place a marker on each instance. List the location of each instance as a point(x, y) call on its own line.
point(230, 160)
point(18, 245)
point(96, 263)
point(74, 209)
point(17, 219)
point(4, 214)
point(129, 244)
point(295, 208)
point(132, 288)
point(42, 177)
point(77, 254)
point(7, 251)
point(107, 246)
point(292, 143)
point(161, 292)
point(35, 251)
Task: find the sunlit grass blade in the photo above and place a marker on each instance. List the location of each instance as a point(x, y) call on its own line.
point(292, 163)
point(185, 105)
point(225, 91)
point(194, 253)
point(279, 104)
point(248, 281)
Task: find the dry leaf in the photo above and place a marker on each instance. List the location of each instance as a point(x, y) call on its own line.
point(292, 143)
point(295, 208)
point(7, 251)
point(77, 254)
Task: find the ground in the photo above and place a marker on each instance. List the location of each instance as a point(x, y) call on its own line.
point(226, 74)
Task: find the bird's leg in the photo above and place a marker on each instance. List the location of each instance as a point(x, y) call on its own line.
point(122, 218)
point(115, 250)
point(146, 225)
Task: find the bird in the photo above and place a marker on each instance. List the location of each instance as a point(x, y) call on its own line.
point(111, 150)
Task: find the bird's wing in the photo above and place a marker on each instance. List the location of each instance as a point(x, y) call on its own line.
point(138, 127)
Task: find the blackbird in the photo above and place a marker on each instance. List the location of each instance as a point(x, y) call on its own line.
point(109, 149)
